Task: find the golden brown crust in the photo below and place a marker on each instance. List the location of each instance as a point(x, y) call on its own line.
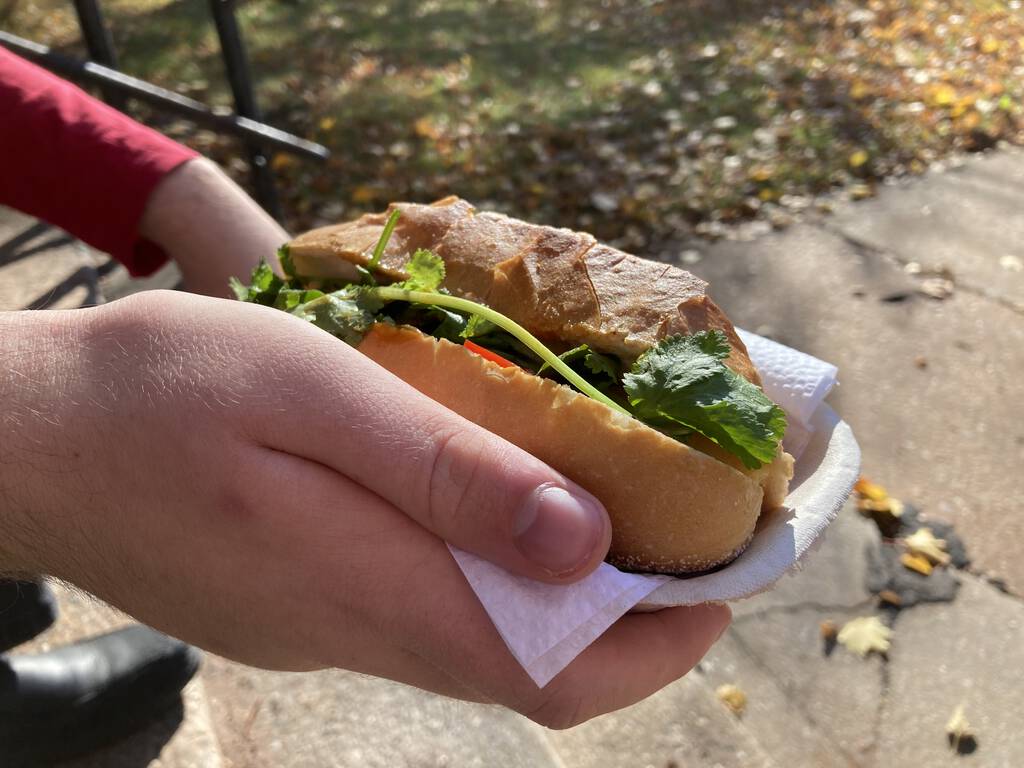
point(673, 509)
point(562, 285)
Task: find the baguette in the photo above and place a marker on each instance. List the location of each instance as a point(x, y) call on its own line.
point(675, 508)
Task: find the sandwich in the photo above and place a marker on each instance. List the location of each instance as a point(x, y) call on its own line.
point(619, 372)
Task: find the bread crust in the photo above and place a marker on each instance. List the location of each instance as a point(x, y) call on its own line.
point(673, 509)
point(564, 286)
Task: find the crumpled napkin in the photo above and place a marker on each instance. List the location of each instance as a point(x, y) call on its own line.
point(547, 626)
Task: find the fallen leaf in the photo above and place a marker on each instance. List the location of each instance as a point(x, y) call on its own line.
point(861, 191)
point(942, 95)
point(858, 158)
point(889, 597)
point(425, 127)
point(859, 90)
point(327, 123)
point(958, 730)
point(864, 635)
point(282, 161)
point(918, 563)
point(733, 698)
point(866, 488)
point(936, 287)
point(892, 507)
point(923, 542)
point(828, 629)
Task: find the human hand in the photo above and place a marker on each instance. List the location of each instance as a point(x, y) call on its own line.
point(240, 479)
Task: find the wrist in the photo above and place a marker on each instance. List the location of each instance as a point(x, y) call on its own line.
point(209, 226)
point(39, 361)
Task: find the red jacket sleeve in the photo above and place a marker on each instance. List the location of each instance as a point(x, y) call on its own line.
point(75, 162)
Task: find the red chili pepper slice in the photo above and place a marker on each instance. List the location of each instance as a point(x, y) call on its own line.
point(488, 355)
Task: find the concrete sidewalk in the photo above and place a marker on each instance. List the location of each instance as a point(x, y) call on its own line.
point(931, 387)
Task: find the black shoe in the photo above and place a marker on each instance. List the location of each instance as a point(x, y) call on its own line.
point(27, 608)
point(72, 700)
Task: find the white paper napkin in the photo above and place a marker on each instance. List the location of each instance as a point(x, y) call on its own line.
point(547, 626)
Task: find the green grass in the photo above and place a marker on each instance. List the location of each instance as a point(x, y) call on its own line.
point(634, 119)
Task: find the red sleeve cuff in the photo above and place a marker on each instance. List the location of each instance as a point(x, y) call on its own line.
point(75, 162)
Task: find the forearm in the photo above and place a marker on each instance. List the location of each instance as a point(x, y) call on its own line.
point(209, 226)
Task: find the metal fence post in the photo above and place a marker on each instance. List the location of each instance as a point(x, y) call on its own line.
point(236, 62)
point(99, 44)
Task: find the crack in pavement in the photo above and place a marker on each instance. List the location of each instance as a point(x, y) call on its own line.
point(865, 248)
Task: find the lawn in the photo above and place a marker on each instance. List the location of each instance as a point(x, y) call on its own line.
point(641, 121)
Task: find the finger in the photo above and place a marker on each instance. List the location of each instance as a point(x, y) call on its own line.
point(468, 486)
point(638, 656)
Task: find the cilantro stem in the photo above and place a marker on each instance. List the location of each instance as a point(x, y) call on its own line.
point(378, 250)
point(505, 323)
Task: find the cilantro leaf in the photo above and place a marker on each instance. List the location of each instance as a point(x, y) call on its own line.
point(603, 364)
point(263, 287)
point(347, 314)
point(289, 298)
point(683, 381)
point(477, 326)
point(284, 257)
point(595, 362)
point(425, 270)
point(569, 356)
point(240, 289)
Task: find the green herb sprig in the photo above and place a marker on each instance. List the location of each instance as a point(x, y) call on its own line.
point(679, 386)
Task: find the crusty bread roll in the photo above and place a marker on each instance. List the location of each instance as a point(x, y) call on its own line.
point(675, 508)
point(564, 286)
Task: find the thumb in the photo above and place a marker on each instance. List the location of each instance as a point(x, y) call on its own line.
point(490, 497)
point(468, 486)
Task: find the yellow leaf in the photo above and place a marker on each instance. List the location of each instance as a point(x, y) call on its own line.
point(425, 127)
point(281, 161)
point(942, 95)
point(864, 635)
point(989, 45)
point(918, 563)
point(958, 730)
point(891, 506)
point(858, 158)
point(923, 542)
point(327, 123)
point(363, 194)
point(732, 697)
point(970, 121)
point(867, 489)
point(861, 191)
point(859, 90)
point(761, 173)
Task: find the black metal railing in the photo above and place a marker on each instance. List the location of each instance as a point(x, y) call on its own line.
point(246, 122)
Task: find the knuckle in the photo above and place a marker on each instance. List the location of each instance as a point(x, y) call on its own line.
point(559, 711)
point(456, 466)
